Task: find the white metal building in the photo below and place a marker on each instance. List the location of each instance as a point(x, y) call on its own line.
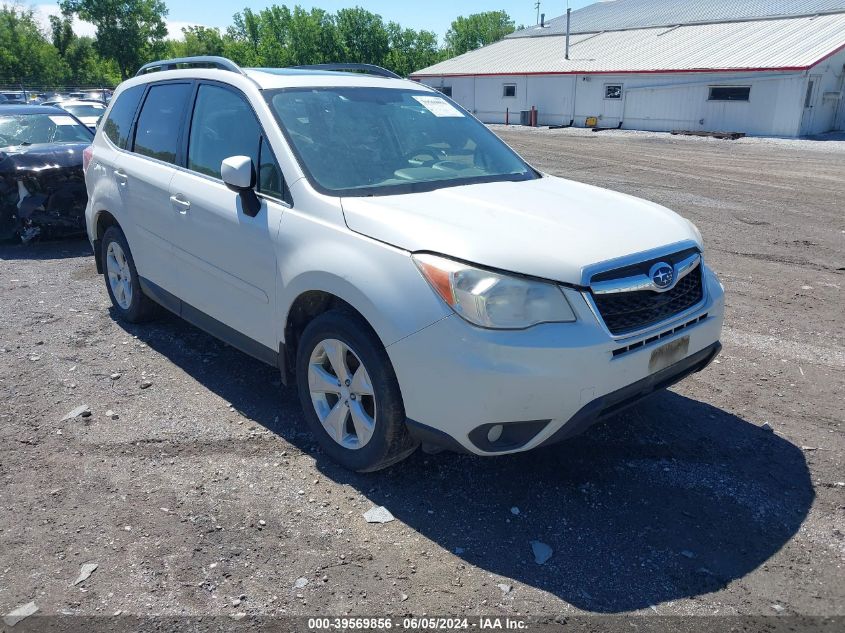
point(762, 67)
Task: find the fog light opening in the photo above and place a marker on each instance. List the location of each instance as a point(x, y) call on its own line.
point(495, 433)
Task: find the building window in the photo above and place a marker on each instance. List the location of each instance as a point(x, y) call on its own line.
point(612, 91)
point(729, 93)
point(446, 90)
point(509, 90)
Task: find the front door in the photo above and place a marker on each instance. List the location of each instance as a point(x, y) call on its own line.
point(613, 97)
point(226, 258)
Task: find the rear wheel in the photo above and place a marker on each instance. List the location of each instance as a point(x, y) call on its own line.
point(122, 283)
point(349, 393)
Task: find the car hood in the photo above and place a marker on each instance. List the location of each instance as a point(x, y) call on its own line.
point(549, 227)
point(41, 156)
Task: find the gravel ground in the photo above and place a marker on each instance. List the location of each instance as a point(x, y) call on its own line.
point(196, 490)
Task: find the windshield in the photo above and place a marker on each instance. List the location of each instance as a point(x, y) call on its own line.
point(31, 129)
point(88, 109)
point(381, 141)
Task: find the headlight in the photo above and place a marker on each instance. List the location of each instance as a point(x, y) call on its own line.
point(494, 300)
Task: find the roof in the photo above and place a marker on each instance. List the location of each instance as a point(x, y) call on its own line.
point(275, 78)
point(617, 15)
point(270, 78)
point(783, 44)
point(73, 102)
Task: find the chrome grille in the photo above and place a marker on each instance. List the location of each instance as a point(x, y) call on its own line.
point(628, 312)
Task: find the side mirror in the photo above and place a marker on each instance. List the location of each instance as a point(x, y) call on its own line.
point(238, 174)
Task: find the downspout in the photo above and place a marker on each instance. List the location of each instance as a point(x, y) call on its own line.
point(575, 85)
point(568, 18)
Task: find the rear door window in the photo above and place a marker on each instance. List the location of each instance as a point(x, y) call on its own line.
point(223, 125)
point(157, 134)
point(122, 113)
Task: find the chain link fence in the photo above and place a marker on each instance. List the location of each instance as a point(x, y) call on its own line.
point(31, 92)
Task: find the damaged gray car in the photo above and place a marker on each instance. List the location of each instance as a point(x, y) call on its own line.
point(42, 185)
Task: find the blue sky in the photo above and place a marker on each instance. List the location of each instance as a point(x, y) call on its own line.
point(432, 15)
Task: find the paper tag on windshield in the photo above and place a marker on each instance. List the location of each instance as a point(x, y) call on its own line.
point(62, 120)
point(438, 106)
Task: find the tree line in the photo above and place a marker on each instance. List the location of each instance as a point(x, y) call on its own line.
point(130, 33)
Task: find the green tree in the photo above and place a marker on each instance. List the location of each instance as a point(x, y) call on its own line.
point(363, 36)
point(477, 30)
point(202, 40)
point(86, 67)
point(314, 38)
point(61, 32)
point(410, 50)
point(25, 54)
point(129, 32)
point(242, 38)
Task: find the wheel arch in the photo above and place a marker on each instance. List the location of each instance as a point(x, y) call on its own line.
point(308, 305)
point(103, 219)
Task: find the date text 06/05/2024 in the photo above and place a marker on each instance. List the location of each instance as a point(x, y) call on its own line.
point(416, 623)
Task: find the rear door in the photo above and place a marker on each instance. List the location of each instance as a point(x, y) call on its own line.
point(226, 258)
point(109, 149)
point(146, 172)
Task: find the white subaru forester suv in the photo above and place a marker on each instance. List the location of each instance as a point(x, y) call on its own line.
point(417, 279)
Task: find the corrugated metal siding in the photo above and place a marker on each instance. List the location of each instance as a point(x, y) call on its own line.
point(631, 14)
point(650, 102)
point(769, 44)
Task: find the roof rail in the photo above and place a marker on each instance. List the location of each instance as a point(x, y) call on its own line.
point(203, 61)
point(369, 69)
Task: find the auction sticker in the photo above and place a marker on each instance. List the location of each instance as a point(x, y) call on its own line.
point(438, 106)
point(62, 120)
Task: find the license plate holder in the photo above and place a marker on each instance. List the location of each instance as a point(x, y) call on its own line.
point(668, 354)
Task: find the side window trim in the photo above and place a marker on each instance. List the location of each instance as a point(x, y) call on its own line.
point(189, 122)
point(286, 198)
point(130, 133)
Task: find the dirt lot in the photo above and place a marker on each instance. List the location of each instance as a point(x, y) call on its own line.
point(205, 495)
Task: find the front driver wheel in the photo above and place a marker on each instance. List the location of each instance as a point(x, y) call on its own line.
point(349, 393)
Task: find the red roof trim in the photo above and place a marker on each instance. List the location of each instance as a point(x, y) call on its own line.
point(621, 72)
point(830, 54)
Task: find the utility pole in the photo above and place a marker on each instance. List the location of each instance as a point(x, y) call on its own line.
point(537, 6)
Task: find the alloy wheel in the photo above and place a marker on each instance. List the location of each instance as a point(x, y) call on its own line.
point(342, 393)
point(119, 274)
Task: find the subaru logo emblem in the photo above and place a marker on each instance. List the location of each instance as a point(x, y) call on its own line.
point(662, 274)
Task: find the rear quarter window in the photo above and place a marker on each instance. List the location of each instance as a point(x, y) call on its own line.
point(120, 118)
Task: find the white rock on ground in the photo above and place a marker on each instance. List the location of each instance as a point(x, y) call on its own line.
point(542, 552)
point(83, 408)
point(23, 611)
point(378, 514)
point(85, 573)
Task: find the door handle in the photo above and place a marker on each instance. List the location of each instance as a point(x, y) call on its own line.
point(179, 203)
point(121, 176)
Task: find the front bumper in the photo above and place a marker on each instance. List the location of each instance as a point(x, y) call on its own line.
point(542, 384)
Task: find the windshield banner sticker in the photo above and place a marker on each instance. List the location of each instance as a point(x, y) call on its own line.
point(438, 106)
point(62, 120)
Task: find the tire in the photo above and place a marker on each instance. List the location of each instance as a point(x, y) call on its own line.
point(353, 442)
point(139, 307)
